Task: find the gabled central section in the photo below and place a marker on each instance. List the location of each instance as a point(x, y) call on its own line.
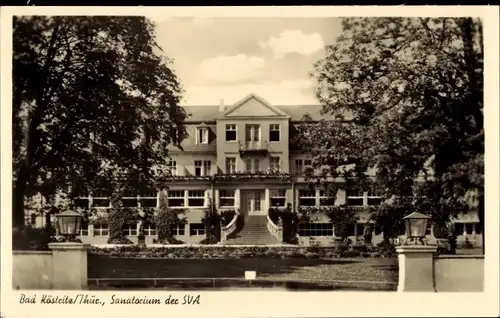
point(253, 106)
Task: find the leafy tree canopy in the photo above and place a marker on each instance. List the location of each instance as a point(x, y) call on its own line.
point(93, 98)
point(407, 96)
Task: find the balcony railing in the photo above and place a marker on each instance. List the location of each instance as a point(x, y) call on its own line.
point(253, 147)
point(217, 174)
point(253, 175)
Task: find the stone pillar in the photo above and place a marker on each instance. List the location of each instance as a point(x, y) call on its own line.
point(237, 199)
point(69, 269)
point(216, 198)
point(416, 266)
point(267, 199)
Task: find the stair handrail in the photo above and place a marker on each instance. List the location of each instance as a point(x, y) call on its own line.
point(230, 228)
point(276, 230)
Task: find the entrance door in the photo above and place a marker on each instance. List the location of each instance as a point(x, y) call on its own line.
point(254, 202)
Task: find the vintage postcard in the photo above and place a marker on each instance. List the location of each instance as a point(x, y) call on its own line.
point(249, 161)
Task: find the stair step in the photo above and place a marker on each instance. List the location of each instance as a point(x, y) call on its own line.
point(253, 232)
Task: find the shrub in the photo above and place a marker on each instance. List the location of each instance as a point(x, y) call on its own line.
point(351, 253)
point(289, 222)
point(118, 216)
point(341, 247)
point(172, 240)
point(440, 231)
point(31, 238)
point(166, 220)
point(212, 221)
point(360, 248)
point(227, 216)
point(312, 255)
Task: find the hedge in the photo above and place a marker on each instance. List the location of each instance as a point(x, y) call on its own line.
point(226, 252)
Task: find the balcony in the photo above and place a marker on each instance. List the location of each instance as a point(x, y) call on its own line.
point(253, 148)
point(254, 175)
point(214, 174)
point(193, 172)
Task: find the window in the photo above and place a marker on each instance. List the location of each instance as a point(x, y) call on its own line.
point(149, 199)
point(252, 133)
point(231, 165)
point(179, 229)
point(172, 167)
point(231, 132)
point(307, 198)
point(316, 229)
point(274, 132)
point(374, 197)
point(101, 230)
point(355, 197)
point(226, 198)
point(274, 163)
point(100, 202)
point(428, 229)
point(202, 135)
point(82, 203)
point(84, 230)
point(478, 228)
point(33, 218)
point(252, 165)
point(468, 228)
point(150, 230)
point(176, 198)
point(326, 199)
point(301, 165)
point(196, 198)
point(202, 168)
point(278, 198)
point(129, 229)
point(298, 167)
point(129, 201)
point(196, 229)
point(459, 228)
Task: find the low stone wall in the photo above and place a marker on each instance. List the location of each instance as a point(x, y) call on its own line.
point(32, 270)
point(459, 273)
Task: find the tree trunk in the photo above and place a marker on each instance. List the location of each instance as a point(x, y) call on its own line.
point(480, 214)
point(18, 192)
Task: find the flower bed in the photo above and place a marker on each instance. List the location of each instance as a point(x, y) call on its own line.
point(230, 252)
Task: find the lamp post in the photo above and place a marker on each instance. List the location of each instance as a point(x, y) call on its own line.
point(69, 223)
point(416, 226)
point(416, 261)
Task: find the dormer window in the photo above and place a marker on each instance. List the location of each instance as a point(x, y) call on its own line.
point(202, 135)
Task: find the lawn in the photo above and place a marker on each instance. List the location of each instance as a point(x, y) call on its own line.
point(361, 271)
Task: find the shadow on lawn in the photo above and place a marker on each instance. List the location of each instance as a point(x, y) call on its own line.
point(386, 267)
point(101, 266)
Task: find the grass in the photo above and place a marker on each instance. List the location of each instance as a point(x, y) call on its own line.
point(271, 271)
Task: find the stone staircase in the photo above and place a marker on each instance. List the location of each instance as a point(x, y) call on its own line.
point(253, 232)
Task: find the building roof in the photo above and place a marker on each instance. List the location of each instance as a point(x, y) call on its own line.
point(296, 112)
point(201, 113)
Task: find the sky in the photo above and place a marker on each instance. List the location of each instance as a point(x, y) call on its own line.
point(228, 58)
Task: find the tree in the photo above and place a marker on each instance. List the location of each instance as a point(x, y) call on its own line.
point(93, 100)
point(406, 96)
